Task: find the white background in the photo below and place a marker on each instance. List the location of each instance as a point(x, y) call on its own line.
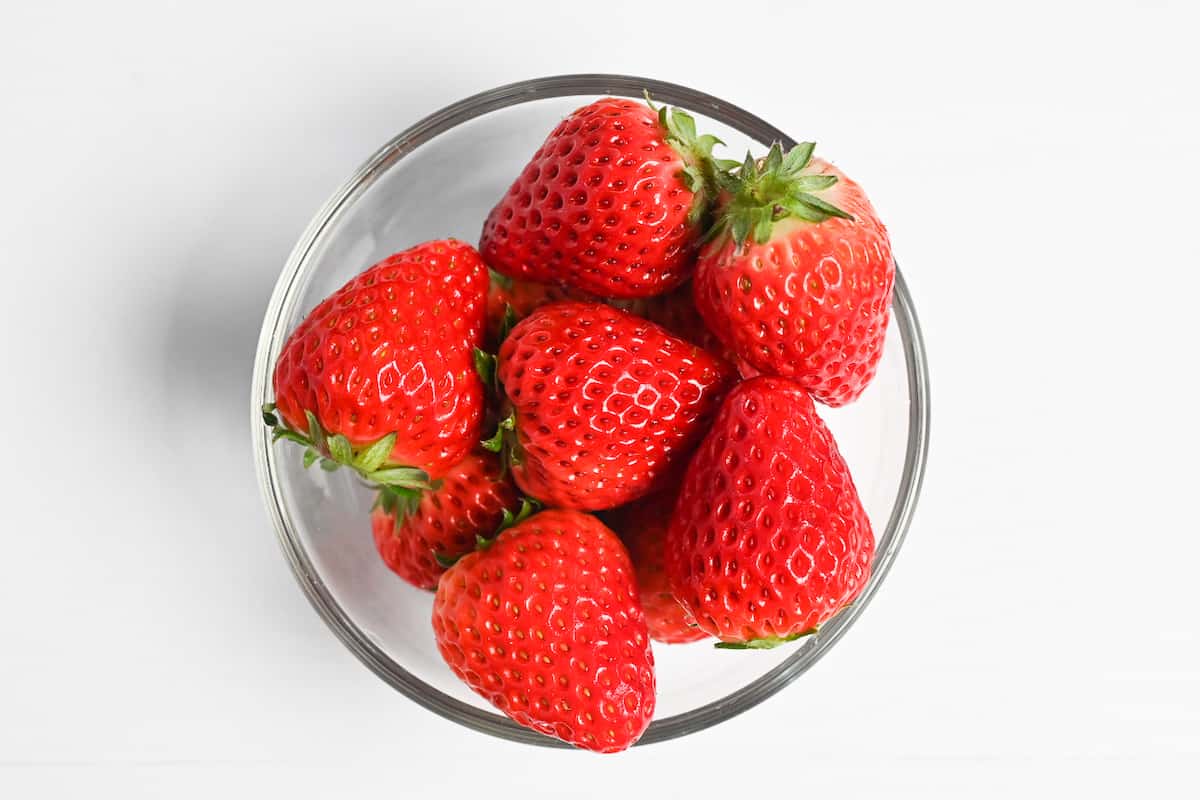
point(1037, 166)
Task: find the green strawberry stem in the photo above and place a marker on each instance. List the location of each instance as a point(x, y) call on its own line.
point(334, 452)
point(765, 643)
point(765, 191)
point(702, 173)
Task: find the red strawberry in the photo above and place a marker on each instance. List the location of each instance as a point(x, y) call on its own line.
point(545, 624)
point(768, 539)
point(642, 526)
point(798, 279)
point(380, 375)
point(613, 203)
point(676, 311)
point(522, 297)
point(605, 404)
point(413, 528)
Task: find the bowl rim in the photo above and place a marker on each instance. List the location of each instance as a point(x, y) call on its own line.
point(273, 334)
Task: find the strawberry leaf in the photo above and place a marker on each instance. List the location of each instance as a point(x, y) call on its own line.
point(817, 204)
point(803, 211)
point(765, 191)
point(507, 322)
point(683, 125)
point(290, 435)
point(398, 502)
point(372, 458)
point(495, 442)
point(740, 228)
point(749, 171)
point(315, 433)
point(500, 279)
point(340, 450)
point(529, 507)
point(774, 159)
point(401, 477)
point(485, 367)
point(813, 183)
point(799, 156)
point(762, 226)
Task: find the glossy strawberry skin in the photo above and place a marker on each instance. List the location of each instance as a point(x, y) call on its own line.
point(676, 311)
point(642, 526)
point(469, 502)
point(546, 625)
point(768, 539)
point(607, 405)
point(523, 297)
point(391, 351)
point(810, 304)
point(600, 207)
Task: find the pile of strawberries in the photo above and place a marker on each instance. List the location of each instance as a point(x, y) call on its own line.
point(598, 428)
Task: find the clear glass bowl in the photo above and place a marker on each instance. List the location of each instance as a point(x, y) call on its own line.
point(440, 178)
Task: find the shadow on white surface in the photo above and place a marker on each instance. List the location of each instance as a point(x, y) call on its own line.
point(223, 274)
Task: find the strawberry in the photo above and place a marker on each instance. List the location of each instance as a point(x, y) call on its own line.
point(676, 311)
point(612, 204)
point(797, 279)
point(380, 376)
point(510, 301)
point(605, 405)
point(642, 526)
point(546, 625)
point(416, 532)
point(768, 539)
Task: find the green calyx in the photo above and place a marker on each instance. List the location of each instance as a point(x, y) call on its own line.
point(528, 508)
point(495, 442)
point(500, 279)
point(765, 643)
point(766, 191)
point(485, 365)
point(702, 173)
point(398, 502)
point(504, 439)
point(485, 368)
point(334, 452)
point(507, 322)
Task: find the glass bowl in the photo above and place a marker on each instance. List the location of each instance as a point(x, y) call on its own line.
point(440, 178)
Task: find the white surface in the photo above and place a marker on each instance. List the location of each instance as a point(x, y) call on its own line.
point(1037, 170)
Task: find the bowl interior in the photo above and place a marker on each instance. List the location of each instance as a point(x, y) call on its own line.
point(442, 182)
